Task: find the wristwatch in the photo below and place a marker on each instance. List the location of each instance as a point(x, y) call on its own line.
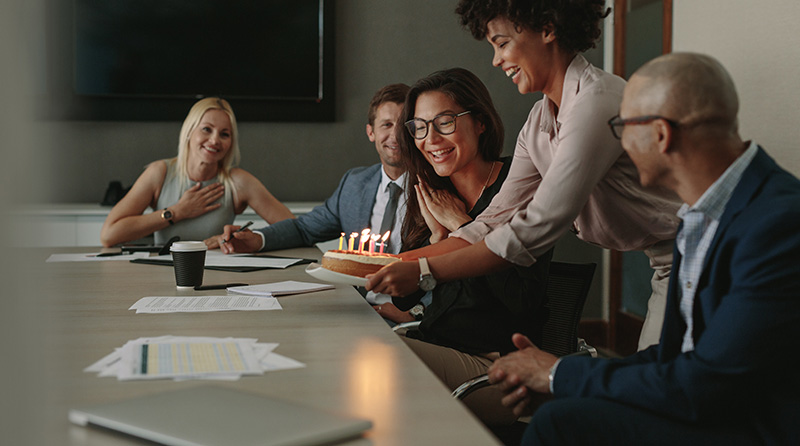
point(166, 214)
point(417, 311)
point(426, 280)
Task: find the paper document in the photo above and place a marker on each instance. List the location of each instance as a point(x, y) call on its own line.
point(95, 257)
point(191, 357)
point(215, 258)
point(280, 288)
point(156, 360)
point(197, 304)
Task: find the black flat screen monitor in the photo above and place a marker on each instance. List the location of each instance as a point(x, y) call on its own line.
point(151, 59)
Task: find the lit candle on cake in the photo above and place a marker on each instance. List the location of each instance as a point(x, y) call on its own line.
point(364, 238)
point(383, 240)
point(341, 241)
point(351, 241)
point(372, 239)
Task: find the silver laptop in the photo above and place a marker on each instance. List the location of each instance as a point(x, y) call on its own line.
point(209, 415)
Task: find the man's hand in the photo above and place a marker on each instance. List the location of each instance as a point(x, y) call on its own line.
point(245, 241)
point(396, 279)
point(521, 373)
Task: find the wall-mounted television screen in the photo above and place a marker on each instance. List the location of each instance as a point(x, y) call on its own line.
point(151, 59)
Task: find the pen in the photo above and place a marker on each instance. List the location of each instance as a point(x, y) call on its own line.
point(246, 225)
point(109, 254)
point(218, 287)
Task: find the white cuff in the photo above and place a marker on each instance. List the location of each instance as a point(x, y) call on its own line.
point(263, 239)
point(552, 375)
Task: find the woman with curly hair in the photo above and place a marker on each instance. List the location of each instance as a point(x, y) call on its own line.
point(568, 171)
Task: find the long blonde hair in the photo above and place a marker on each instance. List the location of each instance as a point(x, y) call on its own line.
point(191, 122)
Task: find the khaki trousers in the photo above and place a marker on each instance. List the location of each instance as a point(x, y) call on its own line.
point(454, 367)
point(660, 256)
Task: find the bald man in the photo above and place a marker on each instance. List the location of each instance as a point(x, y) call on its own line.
point(722, 373)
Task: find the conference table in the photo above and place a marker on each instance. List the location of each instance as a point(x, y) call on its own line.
point(354, 363)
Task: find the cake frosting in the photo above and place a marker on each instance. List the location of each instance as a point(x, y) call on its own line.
point(355, 263)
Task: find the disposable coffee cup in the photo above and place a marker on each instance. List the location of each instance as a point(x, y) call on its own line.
point(189, 259)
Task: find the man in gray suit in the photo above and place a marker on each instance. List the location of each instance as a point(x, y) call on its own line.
point(359, 201)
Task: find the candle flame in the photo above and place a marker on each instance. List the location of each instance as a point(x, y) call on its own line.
point(385, 236)
point(351, 241)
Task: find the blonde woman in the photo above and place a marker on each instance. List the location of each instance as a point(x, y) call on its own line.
point(197, 193)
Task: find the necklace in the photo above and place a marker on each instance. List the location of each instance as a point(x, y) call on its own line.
point(487, 180)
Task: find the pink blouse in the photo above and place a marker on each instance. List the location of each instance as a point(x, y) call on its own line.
point(570, 171)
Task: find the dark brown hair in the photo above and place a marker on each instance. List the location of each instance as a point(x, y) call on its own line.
point(466, 90)
point(391, 93)
point(576, 23)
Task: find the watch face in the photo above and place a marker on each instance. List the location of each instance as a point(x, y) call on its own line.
point(167, 215)
point(427, 282)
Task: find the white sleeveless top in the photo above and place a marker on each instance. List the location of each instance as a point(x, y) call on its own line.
point(198, 228)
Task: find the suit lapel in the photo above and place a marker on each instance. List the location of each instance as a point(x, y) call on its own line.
point(367, 199)
point(752, 179)
point(674, 325)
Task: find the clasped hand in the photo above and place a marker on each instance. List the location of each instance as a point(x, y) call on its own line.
point(443, 212)
point(521, 374)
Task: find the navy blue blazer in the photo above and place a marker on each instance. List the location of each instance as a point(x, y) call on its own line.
point(746, 315)
point(348, 210)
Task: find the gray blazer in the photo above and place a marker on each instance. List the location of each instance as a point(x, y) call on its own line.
point(348, 210)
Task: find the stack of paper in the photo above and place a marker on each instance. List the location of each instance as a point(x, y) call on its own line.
point(280, 288)
point(198, 304)
point(190, 357)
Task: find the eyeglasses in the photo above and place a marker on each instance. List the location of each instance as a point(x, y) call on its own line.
point(445, 124)
point(616, 124)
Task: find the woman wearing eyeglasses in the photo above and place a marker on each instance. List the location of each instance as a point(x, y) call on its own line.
point(569, 170)
point(451, 145)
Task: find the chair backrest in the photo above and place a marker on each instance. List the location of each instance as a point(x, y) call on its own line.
point(567, 288)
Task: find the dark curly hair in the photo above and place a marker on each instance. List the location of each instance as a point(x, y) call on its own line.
point(466, 90)
point(576, 23)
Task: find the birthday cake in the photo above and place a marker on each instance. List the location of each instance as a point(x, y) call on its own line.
point(356, 263)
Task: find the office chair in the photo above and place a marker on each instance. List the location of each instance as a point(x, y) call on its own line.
point(567, 288)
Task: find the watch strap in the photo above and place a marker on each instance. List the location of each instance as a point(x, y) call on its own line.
point(166, 214)
point(424, 269)
point(417, 311)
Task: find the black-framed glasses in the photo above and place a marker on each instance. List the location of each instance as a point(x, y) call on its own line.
point(445, 124)
point(616, 124)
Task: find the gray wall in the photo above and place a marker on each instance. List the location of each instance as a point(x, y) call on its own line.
point(765, 66)
point(377, 42)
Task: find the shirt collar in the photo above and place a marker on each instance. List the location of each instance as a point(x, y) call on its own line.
point(385, 180)
point(713, 201)
point(570, 89)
